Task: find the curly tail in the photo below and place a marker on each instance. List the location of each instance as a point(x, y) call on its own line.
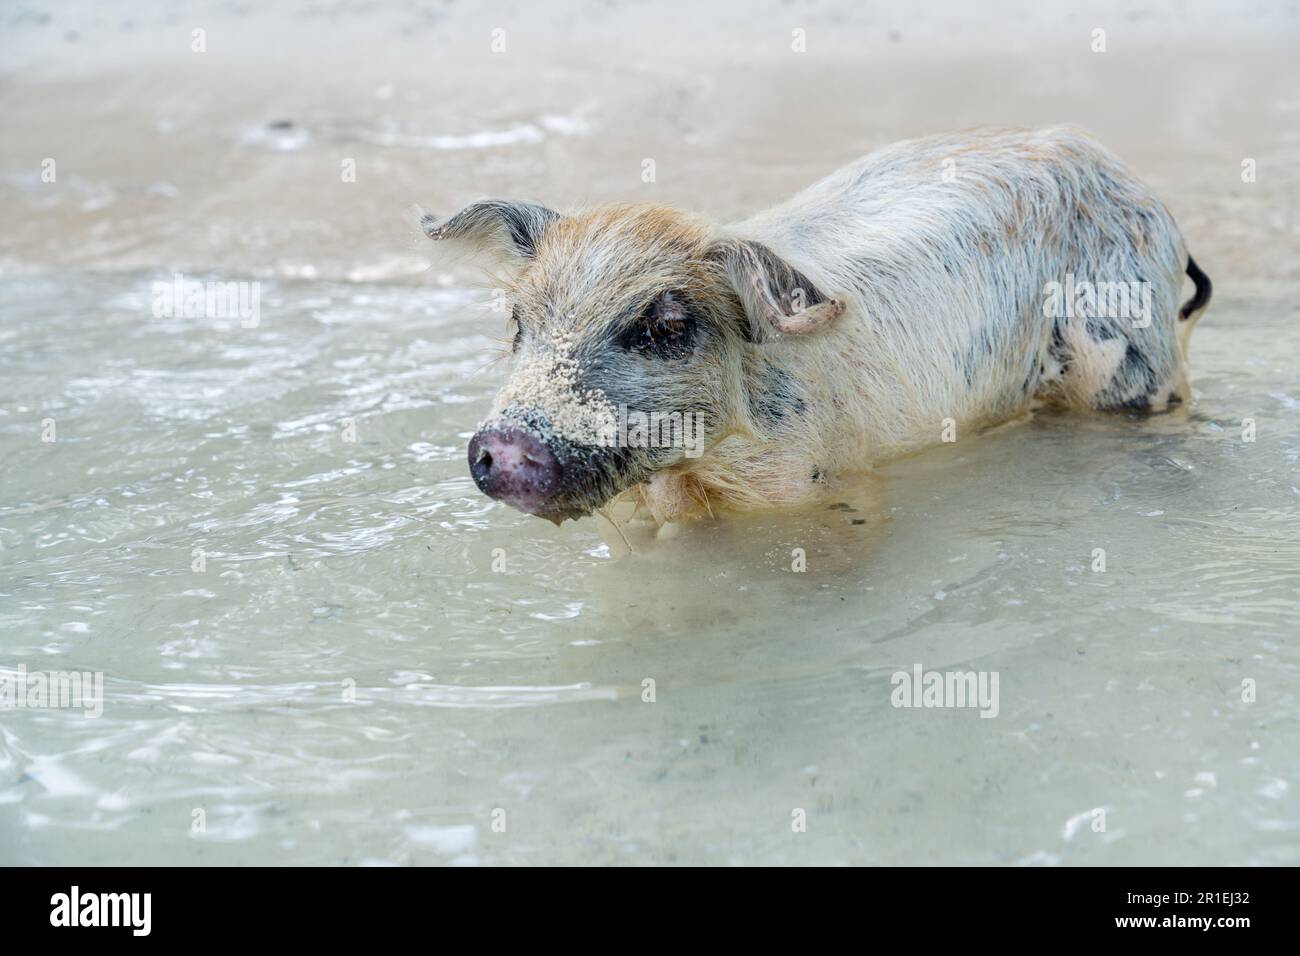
point(1201, 297)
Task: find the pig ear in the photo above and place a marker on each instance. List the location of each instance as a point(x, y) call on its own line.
point(776, 296)
point(506, 228)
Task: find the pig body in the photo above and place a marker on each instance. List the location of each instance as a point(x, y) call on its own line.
point(933, 287)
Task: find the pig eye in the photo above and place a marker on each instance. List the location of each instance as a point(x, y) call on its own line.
point(663, 329)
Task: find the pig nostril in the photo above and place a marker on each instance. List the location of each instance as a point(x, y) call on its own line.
point(514, 466)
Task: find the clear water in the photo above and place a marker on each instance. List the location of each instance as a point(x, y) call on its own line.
point(373, 663)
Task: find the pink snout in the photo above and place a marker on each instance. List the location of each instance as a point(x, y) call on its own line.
point(515, 467)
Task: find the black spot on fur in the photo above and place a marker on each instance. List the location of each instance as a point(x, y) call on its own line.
point(1100, 330)
point(1137, 367)
point(1058, 350)
point(1136, 380)
point(1141, 405)
point(776, 397)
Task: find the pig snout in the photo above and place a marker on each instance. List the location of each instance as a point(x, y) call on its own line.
point(513, 466)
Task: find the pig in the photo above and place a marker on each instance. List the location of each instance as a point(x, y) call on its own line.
point(935, 287)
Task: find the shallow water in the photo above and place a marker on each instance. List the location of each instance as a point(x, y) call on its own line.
point(320, 644)
point(347, 679)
